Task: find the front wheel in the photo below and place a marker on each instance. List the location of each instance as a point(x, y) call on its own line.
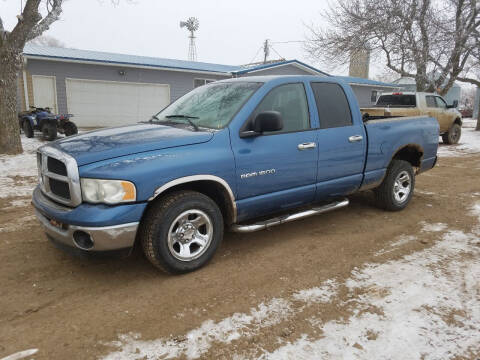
point(453, 135)
point(27, 129)
point(396, 190)
point(181, 232)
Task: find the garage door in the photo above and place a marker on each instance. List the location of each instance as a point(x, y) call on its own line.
point(44, 92)
point(111, 103)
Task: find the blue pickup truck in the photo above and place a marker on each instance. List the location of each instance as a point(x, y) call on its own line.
point(244, 154)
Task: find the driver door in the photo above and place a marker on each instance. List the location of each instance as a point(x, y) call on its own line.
point(444, 117)
point(277, 170)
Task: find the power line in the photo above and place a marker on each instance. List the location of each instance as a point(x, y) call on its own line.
point(276, 52)
point(259, 49)
point(288, 42)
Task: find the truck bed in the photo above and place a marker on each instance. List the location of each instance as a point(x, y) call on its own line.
point(389, 134)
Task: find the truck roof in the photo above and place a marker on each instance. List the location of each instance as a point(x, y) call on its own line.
point(271, 78)
point(407, 93)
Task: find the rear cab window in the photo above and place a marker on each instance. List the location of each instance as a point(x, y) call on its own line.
point(332, 105)
point(398, 99)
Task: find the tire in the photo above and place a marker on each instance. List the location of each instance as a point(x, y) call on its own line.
point(179, 253)
point(453, 135)
point(397, 188)
point(49, 132)
point(70, 128)
point(27, 129)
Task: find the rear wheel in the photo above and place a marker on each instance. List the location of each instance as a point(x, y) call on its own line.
point(181, 232)
point(27, 129)
point(70, 129)
point(49, 132)
point(396, 190)
point(453, 135)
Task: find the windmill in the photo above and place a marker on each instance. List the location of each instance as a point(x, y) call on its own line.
point(192, 24)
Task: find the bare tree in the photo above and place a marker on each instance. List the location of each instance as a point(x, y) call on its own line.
point(30, 25)
point(431, 41)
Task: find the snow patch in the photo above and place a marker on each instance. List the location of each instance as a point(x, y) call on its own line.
point(437, 227)
point(475, 210)
point(20, 355)
point(19, 172)
point(198, 341)
point(428, 306)
point(18, 224)
point(320, 294)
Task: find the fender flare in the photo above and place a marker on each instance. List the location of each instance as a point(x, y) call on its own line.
point(194, 178)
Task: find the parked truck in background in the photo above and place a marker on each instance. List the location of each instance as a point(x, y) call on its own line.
point(421, 103)
point(245, 154)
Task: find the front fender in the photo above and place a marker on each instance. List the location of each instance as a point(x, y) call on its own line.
point(151, 170)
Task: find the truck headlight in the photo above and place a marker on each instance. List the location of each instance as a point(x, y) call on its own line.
point(107, 191)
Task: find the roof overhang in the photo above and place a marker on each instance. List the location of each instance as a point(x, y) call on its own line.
point(125, 65)
point(296, 63)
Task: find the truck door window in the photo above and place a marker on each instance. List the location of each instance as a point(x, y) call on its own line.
point(430, 100)
point(289, 100)
point(332, 105)
point(440, 102)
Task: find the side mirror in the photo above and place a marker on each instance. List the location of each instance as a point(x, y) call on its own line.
point(268, 121)
point(454, 105)
point(265, 121)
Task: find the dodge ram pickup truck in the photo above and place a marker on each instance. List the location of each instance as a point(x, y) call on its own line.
point(244, 154)
point(420, 103)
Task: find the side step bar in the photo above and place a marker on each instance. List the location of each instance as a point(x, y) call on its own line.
point(289, 217)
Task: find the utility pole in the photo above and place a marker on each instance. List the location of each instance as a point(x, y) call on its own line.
point(266, 51)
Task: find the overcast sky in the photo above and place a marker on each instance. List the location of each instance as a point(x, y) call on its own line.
point(231, 32)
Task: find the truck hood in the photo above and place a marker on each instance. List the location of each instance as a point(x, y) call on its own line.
point(126, 140)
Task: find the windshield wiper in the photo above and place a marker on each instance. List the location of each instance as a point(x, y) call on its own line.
point(186, 117)
point(154, 117)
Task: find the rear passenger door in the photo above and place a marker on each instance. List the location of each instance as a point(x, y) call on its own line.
point(341, 142)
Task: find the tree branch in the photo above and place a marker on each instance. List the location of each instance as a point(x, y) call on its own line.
point(469, 80)
point(53, 15)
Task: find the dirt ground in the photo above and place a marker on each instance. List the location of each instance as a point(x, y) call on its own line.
point(73, 308)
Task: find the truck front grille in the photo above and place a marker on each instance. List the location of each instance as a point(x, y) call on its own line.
point(58, 176)
point(56, 166)
point(59, 188)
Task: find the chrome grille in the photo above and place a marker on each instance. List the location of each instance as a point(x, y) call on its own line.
point(58, 176)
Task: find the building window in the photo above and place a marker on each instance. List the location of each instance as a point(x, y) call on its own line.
point(373, 98)
point(201, 82)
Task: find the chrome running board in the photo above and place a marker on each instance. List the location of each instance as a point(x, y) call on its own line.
point(289, 217)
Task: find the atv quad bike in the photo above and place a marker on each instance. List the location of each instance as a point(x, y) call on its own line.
point(42, 119)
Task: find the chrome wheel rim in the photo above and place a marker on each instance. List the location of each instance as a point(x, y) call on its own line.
point(190, 235)
point(402, 187)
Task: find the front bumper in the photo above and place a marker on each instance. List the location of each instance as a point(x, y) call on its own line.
point(56, 221)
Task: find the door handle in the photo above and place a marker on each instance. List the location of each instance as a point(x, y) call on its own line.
point(306, 146)
point(355, 138)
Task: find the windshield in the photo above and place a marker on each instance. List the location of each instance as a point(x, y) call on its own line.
point(210, 106)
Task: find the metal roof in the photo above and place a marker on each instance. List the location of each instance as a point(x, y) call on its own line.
point(67, 54)
point(32, 51)
point(356, 80)
point(245, 70)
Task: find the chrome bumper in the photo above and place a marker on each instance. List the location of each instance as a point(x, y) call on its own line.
point(103, 238)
